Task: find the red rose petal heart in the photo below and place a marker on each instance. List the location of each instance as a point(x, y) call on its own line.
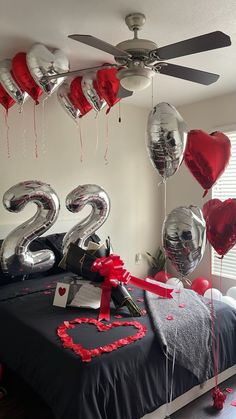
point(207, 156)
point(221, 224)
point(87, 354)
point(62, 291)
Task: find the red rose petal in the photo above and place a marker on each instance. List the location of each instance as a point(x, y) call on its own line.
point(140, 300)
point(130, 289)
point(233, 403)
point(229, 390)
point(169, 317)
point(182, 305)
point(118, 316)
point(177, 291)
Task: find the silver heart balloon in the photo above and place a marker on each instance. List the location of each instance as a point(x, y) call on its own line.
point(184, 238)
point(9, 83)
point(65, 102)
point(42, 63)
point(88, 85)
point(166, 139)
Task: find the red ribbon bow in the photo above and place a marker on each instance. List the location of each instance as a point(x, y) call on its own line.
point(111, 267)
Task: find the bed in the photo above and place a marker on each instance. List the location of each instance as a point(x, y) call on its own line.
point(127, 383)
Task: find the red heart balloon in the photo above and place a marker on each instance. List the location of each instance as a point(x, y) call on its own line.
point(108, 86)
point(221, 224)
point(206, 156)
point(77, 97)
point(87, 354)
point(23, 77)
point(5, 98)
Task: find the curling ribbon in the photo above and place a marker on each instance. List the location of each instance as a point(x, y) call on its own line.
point(111, 267)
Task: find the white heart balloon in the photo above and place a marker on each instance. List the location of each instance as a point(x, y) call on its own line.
point(229, 300)
point(232, 292)
point(42, 63)
point(213, 293)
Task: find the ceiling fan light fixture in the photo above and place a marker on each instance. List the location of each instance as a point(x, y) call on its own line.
point(135, 79)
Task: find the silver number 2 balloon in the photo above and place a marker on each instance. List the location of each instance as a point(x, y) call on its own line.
point(76, 200)
point(15, 256)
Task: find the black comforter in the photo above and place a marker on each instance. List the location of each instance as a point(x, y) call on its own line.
point(124, 384)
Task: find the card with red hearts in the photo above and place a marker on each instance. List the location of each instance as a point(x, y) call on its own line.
point(61, 294)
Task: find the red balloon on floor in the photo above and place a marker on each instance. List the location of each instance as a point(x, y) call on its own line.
point(221, 224)
point(200, 285)
point(162, 276)
point(207, 156)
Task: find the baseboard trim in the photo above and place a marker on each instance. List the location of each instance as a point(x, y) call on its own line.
point(190, 395)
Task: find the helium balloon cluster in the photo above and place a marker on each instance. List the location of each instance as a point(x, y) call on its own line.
point(30, 75)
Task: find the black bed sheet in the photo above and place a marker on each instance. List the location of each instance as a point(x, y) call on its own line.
point(124, 384)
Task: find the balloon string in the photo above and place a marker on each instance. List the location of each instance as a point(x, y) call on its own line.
point(152, 93)
point(43, 136)
point(23, 127)
point(213, 333)
point(107, 142)
point(81, 143)
point(97, 137)
point(7, 134)
point(35, 134)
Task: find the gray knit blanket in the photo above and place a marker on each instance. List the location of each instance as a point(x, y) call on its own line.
point(183, 328)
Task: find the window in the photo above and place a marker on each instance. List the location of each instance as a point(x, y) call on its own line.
point(226, 188)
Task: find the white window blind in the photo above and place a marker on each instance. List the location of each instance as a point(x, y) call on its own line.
point(224, 189)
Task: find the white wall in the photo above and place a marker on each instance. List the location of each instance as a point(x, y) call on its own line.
point(128, 178)
point(182, 188)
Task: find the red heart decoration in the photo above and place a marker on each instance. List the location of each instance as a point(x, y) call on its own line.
point(23, 76)
point(221, 224)
point(87, 354)
point(207, 156)
point(77, 97)
point(62, 291)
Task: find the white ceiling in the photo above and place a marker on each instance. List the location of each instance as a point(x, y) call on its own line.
point(50, 21)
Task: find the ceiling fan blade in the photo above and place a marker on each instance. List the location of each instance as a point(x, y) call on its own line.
point(190, 46)
point(187, 73)
point(123, 93)
point(94, 42)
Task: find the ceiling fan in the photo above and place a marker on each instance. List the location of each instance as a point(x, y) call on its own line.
point(138, 60)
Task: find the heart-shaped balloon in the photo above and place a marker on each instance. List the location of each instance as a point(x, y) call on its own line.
point(23, 77)
point(108, 86)
point(91, 92)
point(9, 83)
point(42, 63)
point(5, 99)
point(64, 100)
point(221, 224)
point(207, 156)
point(184, 238)
point(166, 139)
point(77, 97)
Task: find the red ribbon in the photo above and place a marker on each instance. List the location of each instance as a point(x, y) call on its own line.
point(111, 268)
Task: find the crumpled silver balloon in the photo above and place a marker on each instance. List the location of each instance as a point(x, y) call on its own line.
point(76, 200)
point(15, 256)
point(64, 100)
point(42, 63)
point(9, 83)
point(88, 85)
point(184, 238)
point(166, 139)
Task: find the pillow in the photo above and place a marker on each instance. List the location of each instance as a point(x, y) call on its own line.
point(52, 242)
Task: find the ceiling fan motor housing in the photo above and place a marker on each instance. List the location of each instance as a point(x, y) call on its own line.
point(138, 48)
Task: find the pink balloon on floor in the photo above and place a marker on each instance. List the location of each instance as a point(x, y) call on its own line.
point(200, 285)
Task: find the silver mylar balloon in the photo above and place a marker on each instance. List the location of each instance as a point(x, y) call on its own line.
point(15, 256)
point(76, 200)
point(10, 84)
point(89, 90)
point(65, 102)
point(42, 63)
point(166, 139)
point(184, 238)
